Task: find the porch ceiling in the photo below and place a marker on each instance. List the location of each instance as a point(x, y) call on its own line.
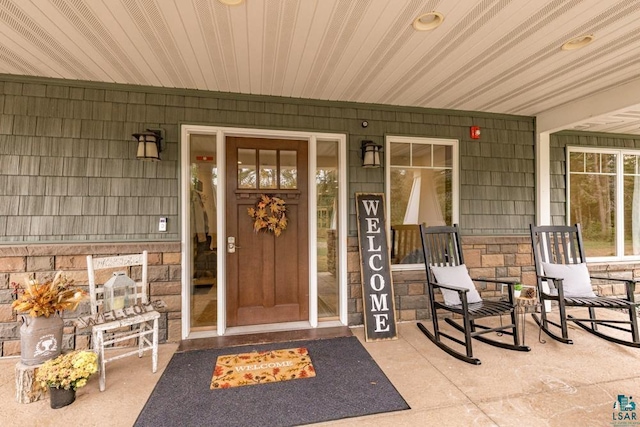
point(501, 56)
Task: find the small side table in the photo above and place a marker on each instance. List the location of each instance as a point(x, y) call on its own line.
point(525, 305)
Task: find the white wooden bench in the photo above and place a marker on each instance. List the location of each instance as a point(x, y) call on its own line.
point(142, 327)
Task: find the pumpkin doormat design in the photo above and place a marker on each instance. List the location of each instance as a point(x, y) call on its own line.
point(234, 370)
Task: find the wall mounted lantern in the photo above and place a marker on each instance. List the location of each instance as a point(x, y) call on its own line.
point(149, 144)
point(370, 154)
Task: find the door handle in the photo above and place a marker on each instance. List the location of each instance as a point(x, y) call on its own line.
point(231, 245)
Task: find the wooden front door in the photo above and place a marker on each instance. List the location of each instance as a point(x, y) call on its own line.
point(267, 275)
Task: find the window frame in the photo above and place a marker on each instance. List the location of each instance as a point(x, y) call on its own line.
point(618, 198)
point(455, 184)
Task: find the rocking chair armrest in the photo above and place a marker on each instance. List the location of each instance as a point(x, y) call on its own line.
point(617, 279)
point(504, 282)
point(449, 287)
point(556, 280)
point(630, 284)
point(559, 284)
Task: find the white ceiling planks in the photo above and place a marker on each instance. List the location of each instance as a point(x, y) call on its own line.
point(500, 56)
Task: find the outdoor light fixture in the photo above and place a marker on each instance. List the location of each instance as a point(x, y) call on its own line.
point(149, 144)
point(370, 154)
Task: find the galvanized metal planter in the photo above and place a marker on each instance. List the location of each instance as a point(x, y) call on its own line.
point(40, 339)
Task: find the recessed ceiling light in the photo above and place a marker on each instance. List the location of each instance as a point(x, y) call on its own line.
point(428, 21)
point(578, 42)
point(231, 2)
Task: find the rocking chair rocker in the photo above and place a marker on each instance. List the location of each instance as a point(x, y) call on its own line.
point(563, 277)
point(446, 271)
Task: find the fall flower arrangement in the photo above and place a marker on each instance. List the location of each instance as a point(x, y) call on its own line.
point(68, 371)
point(269, 214)
point(45, 299)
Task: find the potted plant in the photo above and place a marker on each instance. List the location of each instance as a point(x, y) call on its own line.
point(517, 289)
point(40, 306)
point(65, 374)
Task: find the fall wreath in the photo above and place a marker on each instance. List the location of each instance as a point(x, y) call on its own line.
point(269, 214)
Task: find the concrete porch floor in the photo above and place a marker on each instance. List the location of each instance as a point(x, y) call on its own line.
point(553, 385)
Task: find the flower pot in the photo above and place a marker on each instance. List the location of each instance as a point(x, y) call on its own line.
point(59, 397)
point(40, 339)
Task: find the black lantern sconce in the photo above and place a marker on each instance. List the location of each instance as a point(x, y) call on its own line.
point(370, 154)
point(149, 145)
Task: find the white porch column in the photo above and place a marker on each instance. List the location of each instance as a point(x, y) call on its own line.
point(543, 179)
point(567, 116)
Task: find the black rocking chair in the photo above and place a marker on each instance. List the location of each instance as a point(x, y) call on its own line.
point(446, 271)
point(563, 277)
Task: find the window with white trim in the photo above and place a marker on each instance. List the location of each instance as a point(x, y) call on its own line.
point(422, 182)
point(603, 195)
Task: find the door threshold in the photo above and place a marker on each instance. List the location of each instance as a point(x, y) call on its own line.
point(263, 329)
point(268, 327)
point(263, 337)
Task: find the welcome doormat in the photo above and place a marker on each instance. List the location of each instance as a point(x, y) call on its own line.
point(348, 383)
point(235, 370)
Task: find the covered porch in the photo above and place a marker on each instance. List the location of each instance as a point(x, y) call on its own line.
point(554, 385)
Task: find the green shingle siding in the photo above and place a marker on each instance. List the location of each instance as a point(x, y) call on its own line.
point(78, 137)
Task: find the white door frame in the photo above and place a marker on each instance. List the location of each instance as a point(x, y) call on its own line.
point(221, 133)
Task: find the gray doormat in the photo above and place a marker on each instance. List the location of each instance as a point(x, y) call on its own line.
point(348, 383)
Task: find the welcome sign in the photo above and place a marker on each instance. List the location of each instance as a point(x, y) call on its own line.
point(375, 268)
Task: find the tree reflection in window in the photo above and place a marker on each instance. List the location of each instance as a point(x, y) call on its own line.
point(421, 192)
point(277, 169)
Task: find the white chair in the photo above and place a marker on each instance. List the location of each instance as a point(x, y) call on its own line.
point(138, 326)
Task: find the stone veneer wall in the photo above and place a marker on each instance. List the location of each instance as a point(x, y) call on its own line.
point(24, 262)
point(494, 257)
point(505, 257)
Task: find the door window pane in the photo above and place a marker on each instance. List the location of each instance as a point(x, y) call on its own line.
point(268, 169)
point(246, 168)
point(288, 169)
